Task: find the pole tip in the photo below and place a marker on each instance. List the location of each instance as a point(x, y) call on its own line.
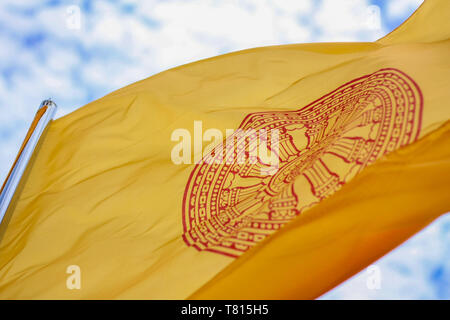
point(48, 102)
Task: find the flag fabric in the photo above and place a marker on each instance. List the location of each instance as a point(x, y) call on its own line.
point(364, 163)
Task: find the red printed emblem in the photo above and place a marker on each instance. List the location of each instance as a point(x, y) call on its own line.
point(229, 207)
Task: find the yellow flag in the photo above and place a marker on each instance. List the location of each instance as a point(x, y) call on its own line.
point(363, 163)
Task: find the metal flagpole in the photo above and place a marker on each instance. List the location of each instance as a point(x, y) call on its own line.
point(41, 121)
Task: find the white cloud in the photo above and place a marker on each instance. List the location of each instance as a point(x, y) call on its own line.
point(397, 8)
point(347, 21)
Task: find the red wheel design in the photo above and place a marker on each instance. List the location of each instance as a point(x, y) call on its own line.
point(229, 207)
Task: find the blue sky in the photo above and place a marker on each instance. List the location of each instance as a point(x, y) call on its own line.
point(78, 51)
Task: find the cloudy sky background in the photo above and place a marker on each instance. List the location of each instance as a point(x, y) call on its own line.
point(78, 51)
